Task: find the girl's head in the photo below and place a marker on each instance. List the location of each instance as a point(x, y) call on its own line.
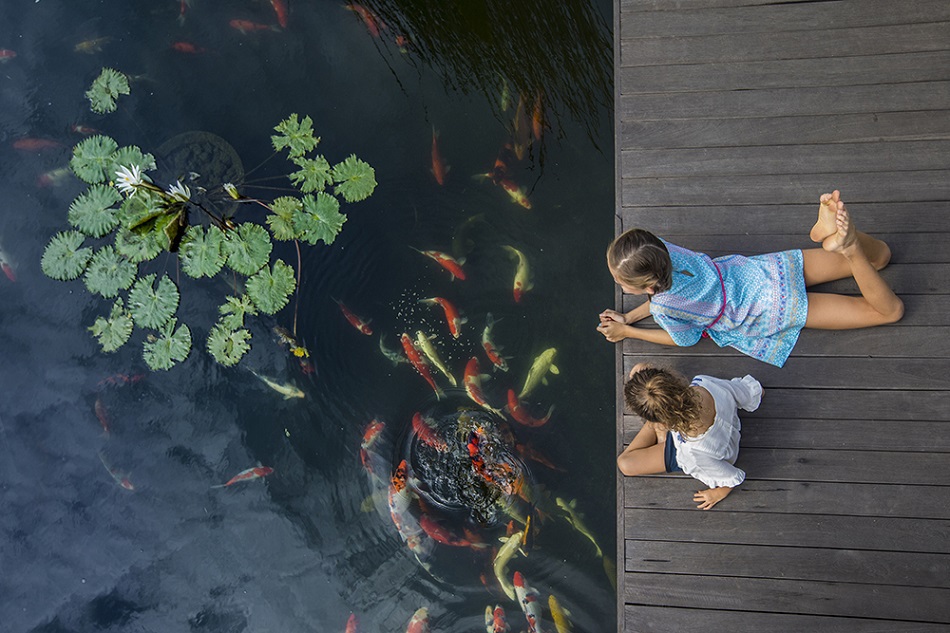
point(662, 396)
point(640, 262)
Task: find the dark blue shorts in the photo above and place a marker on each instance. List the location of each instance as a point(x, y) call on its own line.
point(669, 456)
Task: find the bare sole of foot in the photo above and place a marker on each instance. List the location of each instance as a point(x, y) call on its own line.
point(825, 227)
point(845, 237)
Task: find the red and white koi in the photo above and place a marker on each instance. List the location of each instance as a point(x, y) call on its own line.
point(6, 264)
point(351, 624)
point(359, 323)
point(517, 194)
point(490, 349)
point(256, 472)
point(452, 316)
point(420, 365)
point(371, 435)
point(522, 282)
point(400, 498)
point(419, 623)
point(424, 430)
point(439, 168)
point(530, 601)
point(520, 415)
point(6, 55)
point(454, 266)
point(120, 478)
point(495, 621)
point(85, 130)
point(473, 386)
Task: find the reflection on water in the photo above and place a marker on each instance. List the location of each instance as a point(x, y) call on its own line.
point(117, 513)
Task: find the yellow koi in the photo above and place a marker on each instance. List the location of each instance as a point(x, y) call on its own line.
point(424, 343)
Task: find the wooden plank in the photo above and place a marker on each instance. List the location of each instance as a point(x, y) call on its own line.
point(816, 373)
point(824, 434)
point(918, 604)
point(882, 467)
point(790, 220)
point(882, 342)
point(740, 47)
point(744, 104)
point(791, 563)
point(779, 16)
point(792, 188)
point(652, 619)
point(795, 497)
point(836, 128)
point(782, 159)
point(831, 72)
point(793, 530)
point(635, 6)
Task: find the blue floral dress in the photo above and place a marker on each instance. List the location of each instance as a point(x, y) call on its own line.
point(765, 302)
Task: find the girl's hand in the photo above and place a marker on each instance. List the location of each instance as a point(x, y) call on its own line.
point(708, 498)
point(612, 315)
point(613, 331)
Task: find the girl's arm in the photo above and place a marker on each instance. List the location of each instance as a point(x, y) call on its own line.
point(615, 332)
point(708, 498)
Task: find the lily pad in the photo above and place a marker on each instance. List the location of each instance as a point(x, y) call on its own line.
point(227, 346)
point(113, 332)
point(357, 179)
point(247, 248)
point(109, 272)
point(92, 212)
point(170, 347)
point(270, 289)
point(320, 219)
point(63, 258)
point(234, 310)
point(105, 89)
point(313, 175)
point(153, 306)
point(200, 251)
point(295, 135)
point(132, 155)
point(281, 221)
point(92, 159)
point(135, 247)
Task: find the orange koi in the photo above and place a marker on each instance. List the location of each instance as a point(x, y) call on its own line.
point(102, 414)
point(426, 434)
point(120, 478)
point(370, 19)
point(187, 48)
point(537, 119)
point(451, 314)
point(370, 436)
point(454, 266)
point(490, 350)
point(120, 379)
point(438, 533)
point(246, 26)
point(280, 8)
point(534, 455)
point(521, 127)
point(35, 144)
point(359, 323)
point(520, 415)
point(420, 365)
point(402, 42)
point(473, 386)
point(439, 169)
point(351, 624)
point(247, 475)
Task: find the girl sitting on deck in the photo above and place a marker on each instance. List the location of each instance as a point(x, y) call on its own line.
point(757, 305)
point(688, 427)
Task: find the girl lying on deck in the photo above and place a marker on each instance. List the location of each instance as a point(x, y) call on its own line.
point(688, 427)
point(757, 305)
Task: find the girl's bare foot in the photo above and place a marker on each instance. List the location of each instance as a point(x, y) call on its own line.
point(845, 238)
point(825, 227)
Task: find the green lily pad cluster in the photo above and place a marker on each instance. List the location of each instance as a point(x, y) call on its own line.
point(105, 89)
point(123, 221)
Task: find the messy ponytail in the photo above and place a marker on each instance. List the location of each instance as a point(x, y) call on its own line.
point(659, 395)
point(641, 260)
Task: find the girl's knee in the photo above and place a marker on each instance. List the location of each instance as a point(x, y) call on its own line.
point(882, 257)
point(897, 313)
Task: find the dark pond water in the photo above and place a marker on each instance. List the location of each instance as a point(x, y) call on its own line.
point(313, 542)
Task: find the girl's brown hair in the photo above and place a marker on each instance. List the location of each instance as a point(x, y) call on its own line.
point(659, 395)
point(641, 260)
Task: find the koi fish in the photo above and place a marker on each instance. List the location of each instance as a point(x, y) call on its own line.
point(490, 350)
point(419, 623)
point(400, 497)
point(358, 322)
point(451, 314)
point(530, 603)
point(461, 245)
point(184, 5)
point(543, 364)
point(186, 47)
point(440, 534)
point(495, 621)
point(521, 130)
point(53, 177)
point(393, 355)
point(402, 42)
point(120, 478)
point(6, 264)
point(473, 386)
point(85, 130)
point(447, 262)
point(574, 518)
point(512, 545)
point(424, 343)
point(527, 452)
point(520, 415)
point(516, 193)
point(6, 55)
point(522, 282)
point(420, 366)
point(288, 391)
point(504, 99)
point(560, 616)
point(426, 434)
point(92, 46)
point(35, 144)
point(246, 26)
point(371, 435)
point(256, 472)
point(351, 624)
point(102, 415)
point(280, 8)
point(537, 119)
point(370, 20)
point(120, 379)
point(439, 169)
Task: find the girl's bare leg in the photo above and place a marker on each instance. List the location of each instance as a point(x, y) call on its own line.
point(822, 265)
point(644, 456)
point(877, 304)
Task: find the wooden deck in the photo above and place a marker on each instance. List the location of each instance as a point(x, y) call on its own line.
point(732, 117)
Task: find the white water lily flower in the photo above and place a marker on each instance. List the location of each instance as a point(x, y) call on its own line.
point(180, 192)
point(127, 179)
point(232, 191)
